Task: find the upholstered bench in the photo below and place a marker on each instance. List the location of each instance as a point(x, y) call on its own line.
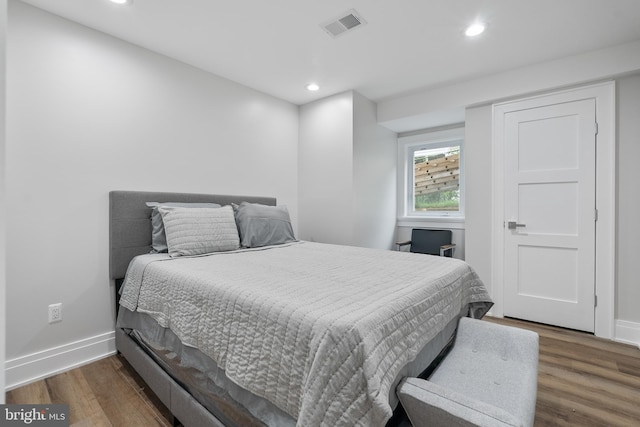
point(489, 378)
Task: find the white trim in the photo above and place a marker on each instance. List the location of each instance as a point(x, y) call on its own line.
point(448, 223)
point(606, 205)
point(628, 332)
point(435, 139)
point(43, 364)
point(497, 209)
point(605, 279)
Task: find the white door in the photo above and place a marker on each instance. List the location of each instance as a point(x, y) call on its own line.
point(549, 201)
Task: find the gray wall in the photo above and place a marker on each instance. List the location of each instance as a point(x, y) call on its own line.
point(478, 202)
point(325, 176)
point(374, 177)
point(88, 113)
point(628, 198)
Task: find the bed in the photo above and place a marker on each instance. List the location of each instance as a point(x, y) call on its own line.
point(261, 329)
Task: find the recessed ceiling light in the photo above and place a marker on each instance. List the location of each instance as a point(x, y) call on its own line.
point(474, 29)
point(121, 1)
point(312, 87)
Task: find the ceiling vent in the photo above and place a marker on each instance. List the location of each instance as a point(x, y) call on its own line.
point(346, 22)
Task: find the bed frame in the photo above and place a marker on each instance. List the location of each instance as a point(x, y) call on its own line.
point(129, 236)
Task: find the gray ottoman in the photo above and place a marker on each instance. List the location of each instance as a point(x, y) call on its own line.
point(489, 378)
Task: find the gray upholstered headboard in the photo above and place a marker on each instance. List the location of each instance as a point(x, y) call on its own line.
point(130, 221)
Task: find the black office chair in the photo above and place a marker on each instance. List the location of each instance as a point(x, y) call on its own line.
point(432, 242)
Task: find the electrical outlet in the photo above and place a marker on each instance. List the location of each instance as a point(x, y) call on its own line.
point(55, 312)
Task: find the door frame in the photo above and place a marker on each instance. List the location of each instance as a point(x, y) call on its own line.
point(604, 94)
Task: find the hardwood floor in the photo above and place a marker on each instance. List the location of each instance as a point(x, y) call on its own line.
point(583, 381)
point(104, 393)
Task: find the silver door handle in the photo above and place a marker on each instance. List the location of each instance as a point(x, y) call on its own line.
point(512, 225)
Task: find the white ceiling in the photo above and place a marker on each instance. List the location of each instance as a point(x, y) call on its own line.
point(278, 46)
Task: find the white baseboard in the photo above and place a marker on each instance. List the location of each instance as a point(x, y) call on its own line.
point(628, 332)
point(43, 364)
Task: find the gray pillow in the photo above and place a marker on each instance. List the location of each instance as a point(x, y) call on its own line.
point(198, 231)
point(158, 237)
point(262, 225)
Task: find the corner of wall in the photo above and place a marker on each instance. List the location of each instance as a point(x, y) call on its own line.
point(346, 173)
point(374, 177)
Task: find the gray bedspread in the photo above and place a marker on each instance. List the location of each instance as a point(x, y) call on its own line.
point(321, 331)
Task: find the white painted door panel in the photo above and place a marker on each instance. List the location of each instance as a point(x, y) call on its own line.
point(550, 192)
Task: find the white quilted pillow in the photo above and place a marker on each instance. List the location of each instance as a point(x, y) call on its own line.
point(197, 231)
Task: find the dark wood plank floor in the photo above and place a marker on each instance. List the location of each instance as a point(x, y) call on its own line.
point(583, 381)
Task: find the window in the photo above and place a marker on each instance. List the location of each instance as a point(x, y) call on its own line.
point(432, 174)
point(436, 179)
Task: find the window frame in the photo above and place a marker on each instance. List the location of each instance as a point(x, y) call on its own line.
point(407, 146)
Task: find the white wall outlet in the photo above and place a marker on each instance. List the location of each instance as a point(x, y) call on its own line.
point(55, 312)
